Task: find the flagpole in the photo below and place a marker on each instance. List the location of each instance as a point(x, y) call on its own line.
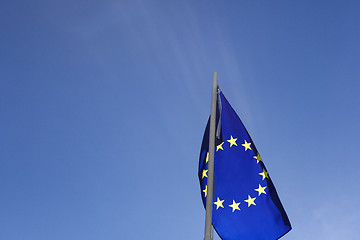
point(210, 178)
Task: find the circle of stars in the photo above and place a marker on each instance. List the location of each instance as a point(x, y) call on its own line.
point(260, 190)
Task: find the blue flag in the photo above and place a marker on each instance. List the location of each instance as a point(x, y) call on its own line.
point(245, 202)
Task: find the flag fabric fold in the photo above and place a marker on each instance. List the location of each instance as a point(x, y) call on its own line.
point(245, 202)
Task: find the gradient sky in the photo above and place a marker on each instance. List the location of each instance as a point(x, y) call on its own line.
point(103, 105)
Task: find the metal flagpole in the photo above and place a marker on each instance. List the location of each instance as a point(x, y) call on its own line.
point(210, 178)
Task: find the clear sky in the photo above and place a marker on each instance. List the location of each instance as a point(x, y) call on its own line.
point(103, 105)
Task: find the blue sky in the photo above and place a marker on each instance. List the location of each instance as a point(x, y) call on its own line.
point(103, 105)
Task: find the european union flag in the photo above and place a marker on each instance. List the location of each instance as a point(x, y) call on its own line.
point(246, 205)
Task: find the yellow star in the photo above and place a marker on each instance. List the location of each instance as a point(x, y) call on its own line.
point(205, 190)
point(207, 157)
point(250, 201)
point(258, 158)
point(260, 190)
point(204, 173)
point(219, 203)
point(219, 146)
point(235, 206)
point(232, 141)
point(246, 145)
point(264, 174)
